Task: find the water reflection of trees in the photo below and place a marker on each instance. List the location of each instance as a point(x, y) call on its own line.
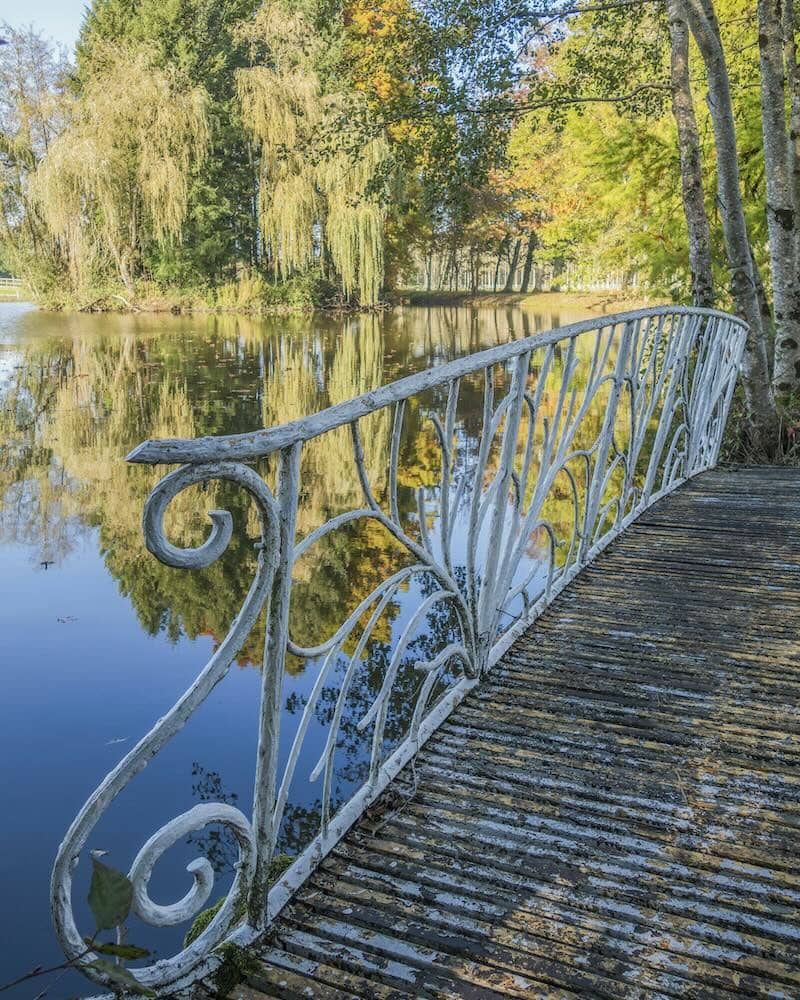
point(213, 842)
point(77, 404)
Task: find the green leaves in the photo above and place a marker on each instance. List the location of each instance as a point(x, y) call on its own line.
point(110, 896)
point(120, 976)
point(129, 952)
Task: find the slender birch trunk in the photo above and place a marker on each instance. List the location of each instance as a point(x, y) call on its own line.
point(781, 217)
point(512, 267)
point(766, 311)
point(527, 267)
point(690, 159)
point(759, 400)
point(793, 80)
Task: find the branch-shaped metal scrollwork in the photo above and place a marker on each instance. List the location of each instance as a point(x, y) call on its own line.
point(170, 970)
point(580, 431)
point(636, 381)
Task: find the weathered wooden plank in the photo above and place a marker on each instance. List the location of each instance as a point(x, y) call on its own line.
point(282, 974)
point(555, 921)
point(620, 908)
point(615, 812)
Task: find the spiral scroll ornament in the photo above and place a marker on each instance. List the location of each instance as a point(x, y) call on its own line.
point(169, 971)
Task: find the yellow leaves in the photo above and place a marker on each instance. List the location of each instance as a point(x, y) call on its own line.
point(125, 158)
point(281, 104)
point(367, 19)
point(380, 47)
point(381, 19)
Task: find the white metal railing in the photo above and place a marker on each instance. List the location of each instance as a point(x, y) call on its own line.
point(581, 430)
point(11, 286)
point(441, 273)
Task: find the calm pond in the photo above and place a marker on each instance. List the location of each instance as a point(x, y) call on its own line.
point(97, 639)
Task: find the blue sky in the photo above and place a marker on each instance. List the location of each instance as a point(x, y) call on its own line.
point(60, 19)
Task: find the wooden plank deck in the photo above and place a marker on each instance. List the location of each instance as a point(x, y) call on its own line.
point(616, 811)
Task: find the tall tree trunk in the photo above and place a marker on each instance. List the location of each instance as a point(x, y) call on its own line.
point(502, 249)
point(793, 80)
point(781, 218)
point(691, 164)
point(766, 311)
point(527, 267)
point(444, 275)
point(759, 400)
point(512, 267)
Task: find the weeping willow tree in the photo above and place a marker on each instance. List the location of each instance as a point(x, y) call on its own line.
point(116, 179)
point(319, 198)
point(33, 87)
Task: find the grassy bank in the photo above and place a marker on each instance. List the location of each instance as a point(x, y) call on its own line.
point(600, 302)
point(250, 295)
point(258, 297)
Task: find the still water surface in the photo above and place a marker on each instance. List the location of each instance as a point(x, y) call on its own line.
point(97, 639)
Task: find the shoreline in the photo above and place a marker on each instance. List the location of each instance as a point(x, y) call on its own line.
point(599, 302)
point(594, 301)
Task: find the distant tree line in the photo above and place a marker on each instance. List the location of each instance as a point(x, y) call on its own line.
point(239, 153)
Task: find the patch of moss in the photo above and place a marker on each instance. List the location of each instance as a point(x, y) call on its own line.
point(278, 866)
point(201, 921)
point(237, 963)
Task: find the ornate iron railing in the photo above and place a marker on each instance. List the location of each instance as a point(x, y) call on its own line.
point(580, 430)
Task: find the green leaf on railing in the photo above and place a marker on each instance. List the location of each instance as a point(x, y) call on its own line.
point(110, 895)
point(129, 952)
point(119, 974)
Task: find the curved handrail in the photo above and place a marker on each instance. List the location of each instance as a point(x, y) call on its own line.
point(601, 418)
point(257, 444)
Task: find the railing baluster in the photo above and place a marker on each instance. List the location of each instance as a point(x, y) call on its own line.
point(594, 497)
point(265, 821)
point(487, 601)
point(394, 453)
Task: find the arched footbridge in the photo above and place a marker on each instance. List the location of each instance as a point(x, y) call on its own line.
point(553, 738)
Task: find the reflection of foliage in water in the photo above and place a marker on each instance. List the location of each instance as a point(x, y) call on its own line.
point(72, 413)
point(78, 404)
point(353, 746)
point(213, 843)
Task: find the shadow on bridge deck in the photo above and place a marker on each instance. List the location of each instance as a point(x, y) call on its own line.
point(615, 812)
